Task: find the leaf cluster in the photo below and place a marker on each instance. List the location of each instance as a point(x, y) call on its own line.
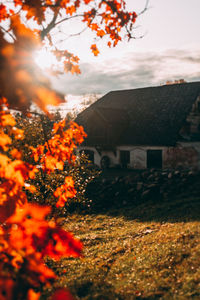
point(105, 18)
point(37, 130)
point(27, 233)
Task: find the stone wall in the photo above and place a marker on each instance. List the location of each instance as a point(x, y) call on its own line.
point(185, 156)
point(118, 191)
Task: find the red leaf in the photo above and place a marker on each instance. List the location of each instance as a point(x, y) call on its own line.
point(62, 294)
point(94, 49)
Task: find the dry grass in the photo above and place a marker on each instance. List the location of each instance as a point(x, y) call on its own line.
point(151, 251)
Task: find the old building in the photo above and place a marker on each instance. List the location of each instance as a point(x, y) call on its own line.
point(154, 127)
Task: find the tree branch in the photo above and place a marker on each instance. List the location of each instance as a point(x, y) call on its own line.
point(52, 24)
point(68, 18)
point(8, 32)
point(145, 8)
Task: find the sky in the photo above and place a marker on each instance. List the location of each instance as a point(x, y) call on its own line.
point(168, 50)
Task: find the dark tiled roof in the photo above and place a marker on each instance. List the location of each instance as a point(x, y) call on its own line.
point(147, 116)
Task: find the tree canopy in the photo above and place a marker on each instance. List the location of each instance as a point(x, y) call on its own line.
point(27, 25)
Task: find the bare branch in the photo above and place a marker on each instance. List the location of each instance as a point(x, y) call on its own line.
point(72, 35)
point(8, 32)
point(130, 36)
point(68, 18)
point(145, 8)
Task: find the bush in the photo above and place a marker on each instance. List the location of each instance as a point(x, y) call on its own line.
point(36, 131)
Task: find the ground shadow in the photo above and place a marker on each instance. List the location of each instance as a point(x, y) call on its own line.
point(177, 209)
point(164, 196)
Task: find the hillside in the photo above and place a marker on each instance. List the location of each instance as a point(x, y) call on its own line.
point(148, 250)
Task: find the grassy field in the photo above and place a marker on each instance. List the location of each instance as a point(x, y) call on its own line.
point(148, 251)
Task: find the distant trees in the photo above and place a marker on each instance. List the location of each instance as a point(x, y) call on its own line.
point(178, 81)
point(88, 100)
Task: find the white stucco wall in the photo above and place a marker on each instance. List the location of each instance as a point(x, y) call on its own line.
point(185, 154)
point(138, 155)
point(138, 158)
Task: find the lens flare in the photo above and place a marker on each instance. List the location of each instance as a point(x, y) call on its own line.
point(45, 59)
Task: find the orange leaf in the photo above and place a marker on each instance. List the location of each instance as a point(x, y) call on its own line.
point(101, 33)
point(94, 49)
point(3, 12)
point(70, 10)
point(7, 120)
point(45, 97)
point(15, 153)
point(94, 26)
point(32, 295)
point(5, 140)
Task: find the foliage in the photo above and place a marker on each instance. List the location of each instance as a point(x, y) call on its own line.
point(107, 19)
point(46, 184)
point(36, 131)
point(26, 236)
point(83, 173)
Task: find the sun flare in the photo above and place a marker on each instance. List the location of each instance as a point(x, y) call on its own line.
point(45, 59)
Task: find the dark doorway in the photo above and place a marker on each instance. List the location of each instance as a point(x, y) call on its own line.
point(154, 159)
point(105, 162)
point(124, 158)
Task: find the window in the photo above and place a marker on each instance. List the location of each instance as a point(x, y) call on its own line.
point(154, 159)
point(124, 158)
point(198, 106)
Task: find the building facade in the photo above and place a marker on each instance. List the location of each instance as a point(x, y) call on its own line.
point(156, 127)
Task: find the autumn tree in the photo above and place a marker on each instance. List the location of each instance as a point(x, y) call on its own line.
point(28, 24)
point(37, 130)
point(26, 234)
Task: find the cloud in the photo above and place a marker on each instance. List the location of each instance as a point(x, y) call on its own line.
point(132, 71)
